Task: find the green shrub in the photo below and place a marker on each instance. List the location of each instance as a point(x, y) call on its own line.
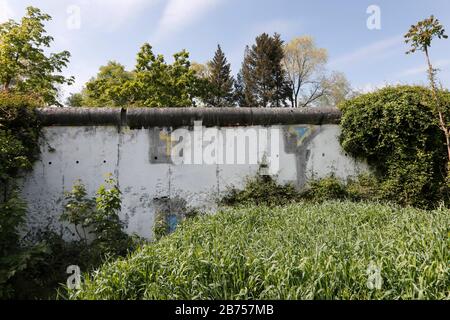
point(263, 190)
point(98, 220)
point(365, 187)
point(329, 188)
point(299, 251)
point(396, 131)
point(19, 132)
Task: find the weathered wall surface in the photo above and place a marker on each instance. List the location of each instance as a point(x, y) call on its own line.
point(141, 157)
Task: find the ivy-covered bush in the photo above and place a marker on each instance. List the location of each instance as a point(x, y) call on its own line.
point(19, 132)
point(396, 131)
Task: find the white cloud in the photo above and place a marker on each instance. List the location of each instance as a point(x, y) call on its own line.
point(423, 69)
point(6, 12)
point(372, 87)
point(111, 14)
point(179, 14)
point(370, 52)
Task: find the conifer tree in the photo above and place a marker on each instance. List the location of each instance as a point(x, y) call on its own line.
point(221, 81)
point(239, 91)
point(263, 75)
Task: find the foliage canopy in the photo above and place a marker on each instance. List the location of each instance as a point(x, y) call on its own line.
point(24, 65)
point(396, 131)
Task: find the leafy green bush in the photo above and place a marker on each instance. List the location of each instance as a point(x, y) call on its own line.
point(365, 187)
point(98, 220)
point(263, 190)
point(397, 132)
point(300, 251)
point(329, 188)
point(16, 258)
point(19, 132)
point(266, 191)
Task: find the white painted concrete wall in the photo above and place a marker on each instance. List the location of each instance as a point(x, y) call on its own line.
point(88, 154)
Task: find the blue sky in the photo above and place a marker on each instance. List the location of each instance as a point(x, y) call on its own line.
point(115, 29)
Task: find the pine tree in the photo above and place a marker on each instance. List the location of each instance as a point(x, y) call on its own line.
point(263, 76)
point(221, 81)
point(239, 91)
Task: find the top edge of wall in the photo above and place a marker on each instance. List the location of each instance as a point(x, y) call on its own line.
point(136, 118)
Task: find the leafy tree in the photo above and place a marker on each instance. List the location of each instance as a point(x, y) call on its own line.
point(337, 90)
point(153, 83)
point(308, 79)
point(420, 37)
point(201, 88)
point(304, 64)
point(107, 88)
point(181, 88)
point(201, 70)
point(264, 79)
point(221, 81)
point(75, 100)
point(158, 84)
point(24, 65)
point(148, 88)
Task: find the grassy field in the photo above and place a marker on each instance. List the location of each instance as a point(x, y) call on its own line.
point(302, 251)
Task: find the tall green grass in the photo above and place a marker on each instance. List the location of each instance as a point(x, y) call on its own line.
point(301, 251)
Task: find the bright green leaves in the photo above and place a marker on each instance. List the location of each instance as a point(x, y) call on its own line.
point(421, 35)
point(396, 130)
point(24, 65)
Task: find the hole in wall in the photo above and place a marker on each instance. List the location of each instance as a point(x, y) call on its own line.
point(50, 163)
point(77, 162)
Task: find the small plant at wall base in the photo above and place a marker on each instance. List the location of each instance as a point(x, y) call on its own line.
point(98, 219)
point(265, 190)
point(261, 190)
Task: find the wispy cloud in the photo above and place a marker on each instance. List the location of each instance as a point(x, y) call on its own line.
point(6, 12)
point(372, 87)
point(423, 69)
point(179, 14)
point(375, 50)
point(112, 14)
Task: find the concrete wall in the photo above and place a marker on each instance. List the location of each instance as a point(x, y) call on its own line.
point(87, 145)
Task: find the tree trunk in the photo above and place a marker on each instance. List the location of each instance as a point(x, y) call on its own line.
point(442, 122)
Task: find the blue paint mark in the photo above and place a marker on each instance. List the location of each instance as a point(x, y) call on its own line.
point(172, 221)
point(302, 132)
